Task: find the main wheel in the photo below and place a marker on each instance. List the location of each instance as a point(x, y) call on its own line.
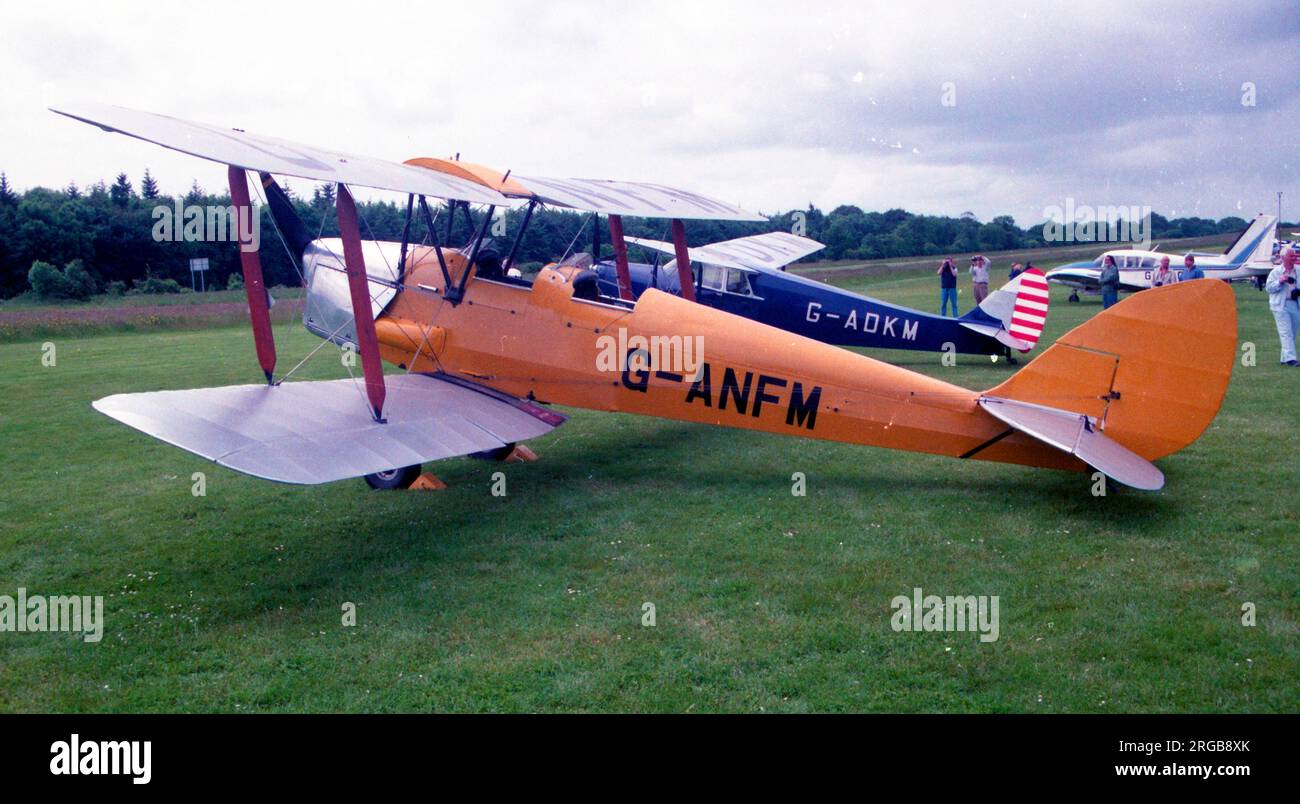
point(394, 478)
point(1074, 297)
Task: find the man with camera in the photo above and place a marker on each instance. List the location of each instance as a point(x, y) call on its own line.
point(1284, 301)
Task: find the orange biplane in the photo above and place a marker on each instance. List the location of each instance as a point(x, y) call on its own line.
point(484, 350)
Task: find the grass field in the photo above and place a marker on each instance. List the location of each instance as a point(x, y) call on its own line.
point(764, 601)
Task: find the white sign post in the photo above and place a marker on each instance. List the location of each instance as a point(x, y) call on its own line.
point(199, 265)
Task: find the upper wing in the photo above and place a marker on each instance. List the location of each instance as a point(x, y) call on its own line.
point(636, 199)
point(233, 146)
point(633, 198)
point(772, 250)
point(315, 432)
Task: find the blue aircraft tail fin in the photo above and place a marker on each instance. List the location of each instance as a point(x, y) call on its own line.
point(1256, 243)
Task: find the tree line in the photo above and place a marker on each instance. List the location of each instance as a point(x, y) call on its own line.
point(73, 242)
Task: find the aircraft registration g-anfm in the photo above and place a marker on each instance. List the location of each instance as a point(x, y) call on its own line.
point(744, 277)
point(1249, 257)
point(482, 358)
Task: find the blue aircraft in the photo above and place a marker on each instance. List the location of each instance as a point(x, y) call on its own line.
point(745, 277)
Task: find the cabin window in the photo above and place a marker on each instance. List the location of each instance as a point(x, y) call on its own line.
point(712, 277)
point(738, 282)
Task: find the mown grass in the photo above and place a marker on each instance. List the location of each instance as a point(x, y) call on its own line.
point(764, 601)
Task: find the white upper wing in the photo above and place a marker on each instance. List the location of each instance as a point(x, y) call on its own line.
point(633, 198)
point(772, 250)
point(232, 146)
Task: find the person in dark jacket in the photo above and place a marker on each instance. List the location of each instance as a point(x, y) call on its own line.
point(948, 287)
point(1109, 282)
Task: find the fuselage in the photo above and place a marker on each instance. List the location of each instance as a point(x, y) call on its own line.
point(1138, 269)
point(539, 341)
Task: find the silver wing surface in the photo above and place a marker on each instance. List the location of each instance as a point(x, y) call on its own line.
point(1078, 435)
point(317, 432)
point(636, 199)
point(233, 146)
point(772, 250)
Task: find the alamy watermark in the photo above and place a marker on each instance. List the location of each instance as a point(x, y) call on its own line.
point(922, 612)
point(24, 613)
point(680, 354)
point(77, 757)
point(207, 223)
point(1085, 223)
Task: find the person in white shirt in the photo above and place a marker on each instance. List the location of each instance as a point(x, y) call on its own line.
point(979, 277)
point(1163, 276)
point(1284, 301)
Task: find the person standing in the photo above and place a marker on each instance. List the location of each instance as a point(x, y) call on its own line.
point(979, 277)
point(1284, 302)
point(1109, 282)
point(1190, 269)
point(1163, 276)
point(947, 287)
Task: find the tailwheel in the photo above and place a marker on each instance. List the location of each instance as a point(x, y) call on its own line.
point(394, 478)
point(1074, 297)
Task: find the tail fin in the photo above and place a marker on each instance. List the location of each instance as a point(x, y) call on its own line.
point(1256, 243)
point(1019, 306)
point(1150, 373)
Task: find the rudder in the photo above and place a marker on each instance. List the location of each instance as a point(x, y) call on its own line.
point(1152, 370)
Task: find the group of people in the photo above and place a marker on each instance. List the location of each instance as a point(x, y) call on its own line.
point(979, 280)
point(1163, 276)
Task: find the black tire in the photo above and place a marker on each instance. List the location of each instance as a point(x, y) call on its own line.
point(1074, 297)
point(394, 478)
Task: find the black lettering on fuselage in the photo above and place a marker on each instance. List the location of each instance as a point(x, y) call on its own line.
point(803, 409)
point(701, 387)
point(800, 412)
point(729, 384)
point(761, 395)
point(641, 375)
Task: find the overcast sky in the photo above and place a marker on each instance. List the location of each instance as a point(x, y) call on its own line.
point(771, 106)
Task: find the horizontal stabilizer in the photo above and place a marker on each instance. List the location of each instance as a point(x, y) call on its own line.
point(316, 432)
point(1078, 435)
point(999, 334)
point(233, 146)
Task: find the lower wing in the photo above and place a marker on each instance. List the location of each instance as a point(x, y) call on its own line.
point(316, 432)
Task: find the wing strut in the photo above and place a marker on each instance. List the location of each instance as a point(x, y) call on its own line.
point(684, 276)
point(254, 286)
point(620, 257)
point(359, 287)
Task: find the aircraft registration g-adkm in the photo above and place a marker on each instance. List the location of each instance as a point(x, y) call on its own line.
point(482, 354)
